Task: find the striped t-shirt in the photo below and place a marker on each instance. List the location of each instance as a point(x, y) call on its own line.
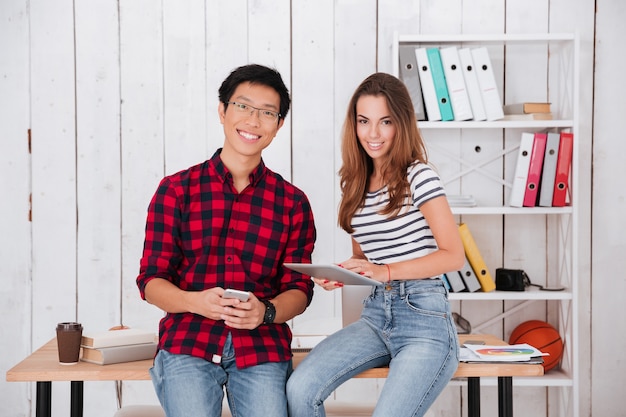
point(407, 236)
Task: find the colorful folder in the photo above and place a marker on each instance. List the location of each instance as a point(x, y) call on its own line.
point(459, 97)
point(476, 260)
point(534, 169)
point(410, 77)
point(441, 86)
point(563, 164)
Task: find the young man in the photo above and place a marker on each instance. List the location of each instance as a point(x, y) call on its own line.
point(228, 223)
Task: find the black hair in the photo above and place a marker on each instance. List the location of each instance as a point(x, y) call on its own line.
point(256, 74)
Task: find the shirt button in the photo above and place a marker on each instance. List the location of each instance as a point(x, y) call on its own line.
point(229, 259)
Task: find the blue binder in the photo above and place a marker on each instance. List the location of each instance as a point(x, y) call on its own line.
point(441, 88)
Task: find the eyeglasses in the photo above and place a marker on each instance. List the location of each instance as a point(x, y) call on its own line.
point(263, 114)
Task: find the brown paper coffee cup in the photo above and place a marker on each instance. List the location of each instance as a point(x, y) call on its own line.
point(69, 336)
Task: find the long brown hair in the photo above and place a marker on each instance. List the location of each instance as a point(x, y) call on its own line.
point(408, 147)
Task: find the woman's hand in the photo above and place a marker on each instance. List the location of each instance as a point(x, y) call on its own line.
point(360, 266)
point(367, 269)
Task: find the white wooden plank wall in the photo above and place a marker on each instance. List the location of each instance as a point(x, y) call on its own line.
point(120, 93)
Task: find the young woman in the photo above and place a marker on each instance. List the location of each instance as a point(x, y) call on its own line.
point(404, 235)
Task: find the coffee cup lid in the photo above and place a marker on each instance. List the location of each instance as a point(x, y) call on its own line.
point(69, 325)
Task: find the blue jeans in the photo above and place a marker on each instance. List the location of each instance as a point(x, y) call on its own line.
point(408, 327)
point(189, 386)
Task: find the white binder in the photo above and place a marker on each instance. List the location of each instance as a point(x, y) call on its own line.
point(516, 199)
point(471, 83)
point(487, 83)
point(428, 85)
point(457, 90)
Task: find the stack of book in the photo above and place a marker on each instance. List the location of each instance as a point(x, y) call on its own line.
point(528, 111)
point(115, 346)
point(542, 170)
point(450, 83)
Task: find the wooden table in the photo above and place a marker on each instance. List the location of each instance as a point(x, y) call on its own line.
point(43, 367)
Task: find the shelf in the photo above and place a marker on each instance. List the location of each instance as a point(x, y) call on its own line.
point(487, 175)
point(530, 294)
point(483, 39)
point(502, 124)
point(511, 210)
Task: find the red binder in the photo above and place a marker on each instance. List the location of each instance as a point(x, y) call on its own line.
point(534, 169)
point(563, 164)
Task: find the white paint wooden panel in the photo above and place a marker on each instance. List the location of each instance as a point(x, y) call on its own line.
point(313, 140)
point(143, 158)
point(98, 177)
point(608, 220)
point(184, 84)
point(269, 43)
point(53, 171)
point(15, 229)
point(142, 163)
point(226, 49)
point(355, 59)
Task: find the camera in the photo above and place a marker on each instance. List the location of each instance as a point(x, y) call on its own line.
point(511, 280)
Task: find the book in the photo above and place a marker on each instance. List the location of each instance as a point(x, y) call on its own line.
point(441, 86)
point(546, 190)
point(410, 77)
point(476, 260)
point(520, 177)
point(117, 338)
point(527, 107)
point(118, 354)
point(534, 169)
point(563, 164)
point(521, 352)
point(527, 116)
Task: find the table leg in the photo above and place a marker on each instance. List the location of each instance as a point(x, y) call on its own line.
point(43, 406)
point(77, 399)
point(473, 396)
point(505, 396)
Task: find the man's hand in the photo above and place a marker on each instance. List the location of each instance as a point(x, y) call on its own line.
point(243, 314)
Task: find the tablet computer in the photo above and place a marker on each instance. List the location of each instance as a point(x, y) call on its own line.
point(333, 272)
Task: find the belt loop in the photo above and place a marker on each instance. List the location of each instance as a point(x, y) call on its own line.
point(402, 288)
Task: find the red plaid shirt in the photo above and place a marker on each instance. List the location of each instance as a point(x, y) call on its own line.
point(201, 233)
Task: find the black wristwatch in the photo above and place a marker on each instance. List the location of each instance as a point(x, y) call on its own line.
point(270, 312)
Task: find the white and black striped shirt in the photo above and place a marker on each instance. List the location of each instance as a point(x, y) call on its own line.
point(406, 236)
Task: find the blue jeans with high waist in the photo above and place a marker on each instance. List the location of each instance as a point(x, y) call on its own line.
point(408, 327)
point(189, 386)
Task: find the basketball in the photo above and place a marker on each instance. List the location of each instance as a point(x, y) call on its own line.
point(542, 336)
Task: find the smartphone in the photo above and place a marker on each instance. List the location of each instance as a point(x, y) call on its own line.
point(241, 295)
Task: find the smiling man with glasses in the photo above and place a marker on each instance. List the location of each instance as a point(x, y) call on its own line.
point(229, 223)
